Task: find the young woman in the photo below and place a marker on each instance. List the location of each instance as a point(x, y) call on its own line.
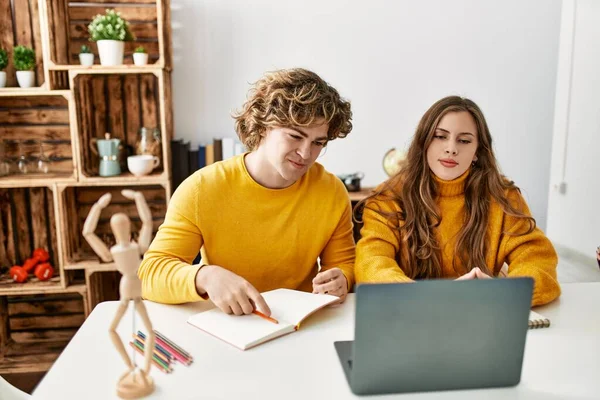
point(261, 219)
point(449, 213)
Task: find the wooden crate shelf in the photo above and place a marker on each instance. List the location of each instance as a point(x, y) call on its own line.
point(70, 107)
point(75, 204)
point(120, 104)
point(28, 221)
point(20, 25)
point(28, 121)
point(67, 21)
point(36, 328)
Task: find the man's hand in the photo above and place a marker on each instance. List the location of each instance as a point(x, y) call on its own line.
point(333, 282)
point(230, 292)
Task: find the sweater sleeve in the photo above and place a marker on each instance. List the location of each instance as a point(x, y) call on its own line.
point(340, 250)
point(166, 273)
point(530, 255)
point(377, 249)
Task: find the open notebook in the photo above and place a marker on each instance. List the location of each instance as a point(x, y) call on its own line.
point(537, 321)
point(288, 307)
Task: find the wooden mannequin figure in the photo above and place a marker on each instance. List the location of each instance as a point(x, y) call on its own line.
point(126, 254)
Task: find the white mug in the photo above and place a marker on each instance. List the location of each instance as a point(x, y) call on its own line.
point(142, 165)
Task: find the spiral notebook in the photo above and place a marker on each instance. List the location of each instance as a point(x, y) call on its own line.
point(538, 321)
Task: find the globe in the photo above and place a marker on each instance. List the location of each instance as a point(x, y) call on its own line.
point(392, 161)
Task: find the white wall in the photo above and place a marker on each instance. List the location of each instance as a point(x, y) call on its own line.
point(392, 59)
point(574, 216)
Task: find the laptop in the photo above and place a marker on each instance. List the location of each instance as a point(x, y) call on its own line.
point(437, 335)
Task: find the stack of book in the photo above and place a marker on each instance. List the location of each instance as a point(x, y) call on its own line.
point(186, 160)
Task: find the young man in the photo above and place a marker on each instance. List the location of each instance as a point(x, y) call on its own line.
point(261, 219)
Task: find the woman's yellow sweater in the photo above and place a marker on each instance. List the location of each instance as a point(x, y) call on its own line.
point(270, 237)
point(378, 253)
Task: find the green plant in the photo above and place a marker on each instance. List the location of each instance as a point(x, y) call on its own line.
point(3, 59)
point(85, 50)
point(24, 58)
point(140, 49)
point(109, 26)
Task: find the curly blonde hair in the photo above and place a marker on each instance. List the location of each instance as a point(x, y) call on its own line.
point(291, 97)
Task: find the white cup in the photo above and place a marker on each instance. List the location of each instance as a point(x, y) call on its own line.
point(142, 165)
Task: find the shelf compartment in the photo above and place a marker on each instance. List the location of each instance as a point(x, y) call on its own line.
point(149, 21)
point(36, 328)
point(76, 202)
point(28, 221)
point(119, 104)
point(23, 18)
point(27, 121)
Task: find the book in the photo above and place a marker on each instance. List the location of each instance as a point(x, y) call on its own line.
point(288, 307)
point(209, 155)
point(228, 147)
point(218, 149)
point(194, 165)
point(538, 321)
point(201, 156)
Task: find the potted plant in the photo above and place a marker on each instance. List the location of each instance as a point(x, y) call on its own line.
point(24, 60)
point(3, 64)
point(140, 57)
point(111, 32)
point(86, 57)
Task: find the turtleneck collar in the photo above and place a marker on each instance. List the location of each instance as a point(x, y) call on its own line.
point(451, 188)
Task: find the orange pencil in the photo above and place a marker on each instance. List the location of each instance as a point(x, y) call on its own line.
point(273, 320)
point(155, 360)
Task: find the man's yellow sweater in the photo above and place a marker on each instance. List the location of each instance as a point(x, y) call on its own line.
point(270, 237)
point(378, 251)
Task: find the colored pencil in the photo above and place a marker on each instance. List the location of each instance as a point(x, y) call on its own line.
point(176, 354)
point(156, 361)
point(166, 340)
point(142, 338)
point(157, 353)
point(172, 344)
point(273, 320)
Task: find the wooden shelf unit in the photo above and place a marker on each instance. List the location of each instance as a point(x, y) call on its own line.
point(67, 21)
point(70, 108)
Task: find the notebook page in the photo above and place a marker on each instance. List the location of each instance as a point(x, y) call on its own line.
point(533, 316)
point(293, 306)
point(242, 331)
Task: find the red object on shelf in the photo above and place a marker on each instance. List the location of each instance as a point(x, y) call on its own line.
point(44, 271)
point(29, 264)
point(41, 254)
point(18, 274)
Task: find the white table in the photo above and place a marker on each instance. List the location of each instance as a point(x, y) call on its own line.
point(562, 362)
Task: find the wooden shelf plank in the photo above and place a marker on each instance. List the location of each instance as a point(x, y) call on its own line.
point(101, 69)
point(91, 266)
point(36, 287)
point(36, 180)
point(7, 286)
point(126, 178)
point(37, 91)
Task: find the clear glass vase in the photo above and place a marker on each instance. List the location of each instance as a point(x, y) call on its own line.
point(148, 142)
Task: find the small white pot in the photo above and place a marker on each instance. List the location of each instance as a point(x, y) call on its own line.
point(26, 79)
point(140, 58)
point(2, 78)
point(111, 52)
point(86, 59)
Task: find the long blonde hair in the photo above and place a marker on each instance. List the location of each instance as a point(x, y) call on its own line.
point(414, 190)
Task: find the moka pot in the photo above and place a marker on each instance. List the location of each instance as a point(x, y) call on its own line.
point(108, 151)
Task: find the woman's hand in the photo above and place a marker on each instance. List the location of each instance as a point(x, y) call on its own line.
point(333, 282)
point(475, 273)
